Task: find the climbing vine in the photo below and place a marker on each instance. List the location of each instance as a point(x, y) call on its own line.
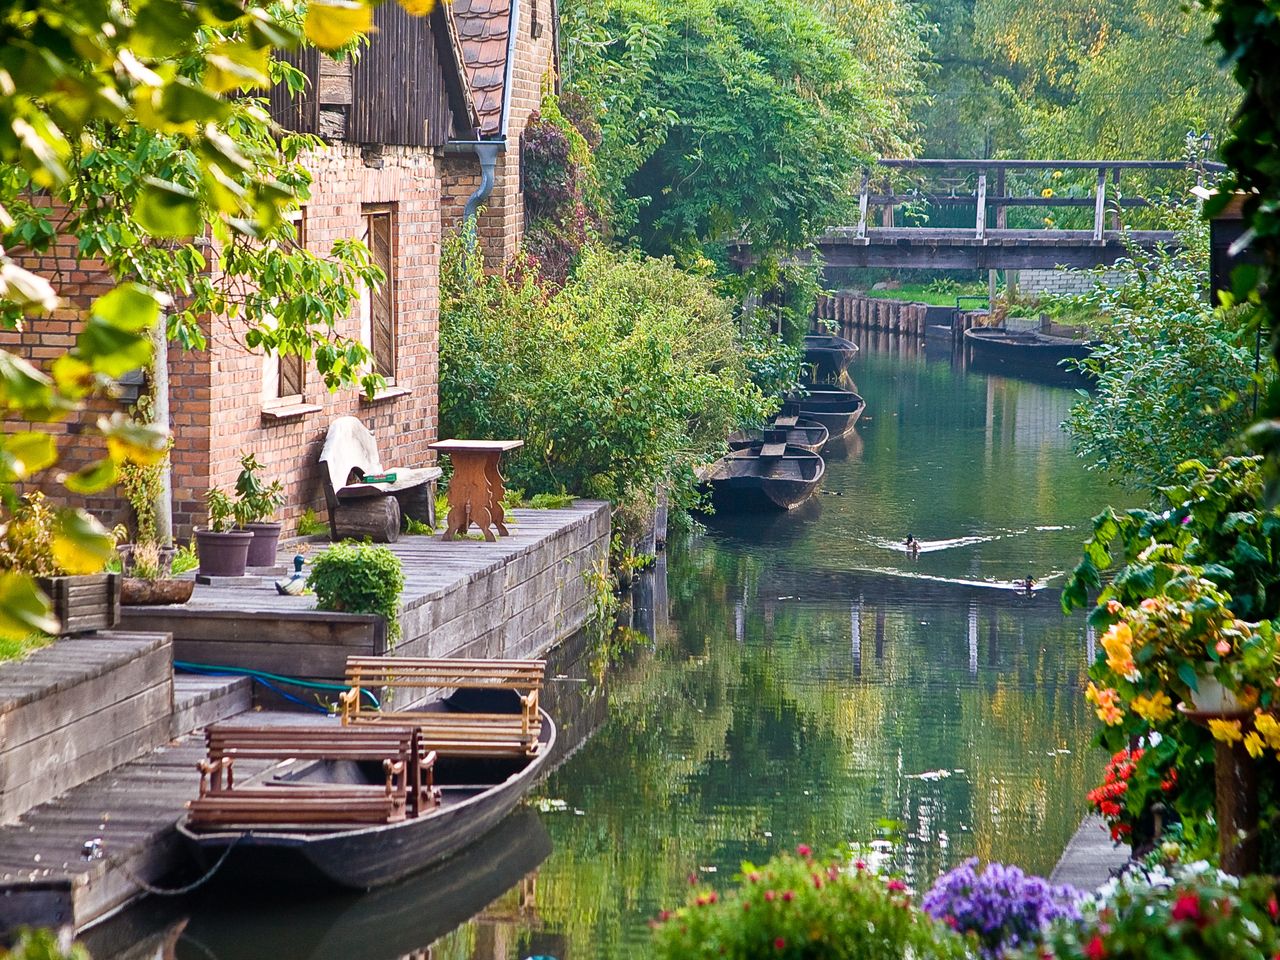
point(1249, 33)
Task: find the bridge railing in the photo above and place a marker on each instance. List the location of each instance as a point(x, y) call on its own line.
point(991, 194)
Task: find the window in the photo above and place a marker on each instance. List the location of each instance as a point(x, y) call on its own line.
point(286, 375)
point(377, 307)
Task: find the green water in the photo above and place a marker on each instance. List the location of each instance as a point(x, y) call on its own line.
point(800, 679)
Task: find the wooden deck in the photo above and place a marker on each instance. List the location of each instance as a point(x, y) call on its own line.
point(511, 598)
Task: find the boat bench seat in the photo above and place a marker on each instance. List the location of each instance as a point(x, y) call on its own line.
point(485, 732)
point(408, 767)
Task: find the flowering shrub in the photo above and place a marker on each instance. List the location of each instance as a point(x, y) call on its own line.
point(1003, 907)
point(1109, 798)
point(798, 907)
point(1197, 914)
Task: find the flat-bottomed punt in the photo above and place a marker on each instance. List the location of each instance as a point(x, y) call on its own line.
point(829, 355)
point(1028, 351)
point(771, 475)
point(476, 793)
point(797, 432)
point(835, 408)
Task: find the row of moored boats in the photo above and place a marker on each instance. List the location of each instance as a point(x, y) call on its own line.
point(780, 465)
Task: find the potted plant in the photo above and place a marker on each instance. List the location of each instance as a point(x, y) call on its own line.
point(148, 577)
point(31, 542)
point(257, 504)
point(222, 546)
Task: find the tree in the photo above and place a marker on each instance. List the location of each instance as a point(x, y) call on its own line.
point(75, 71)
point(1173, 374)
point(724, 118)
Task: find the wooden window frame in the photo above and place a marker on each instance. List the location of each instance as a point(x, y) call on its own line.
point(382, 252)
point(292, 368)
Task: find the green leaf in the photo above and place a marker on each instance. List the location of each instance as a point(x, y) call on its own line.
point(24, 609)
point(130, 307)
point(110, 350)
point(167, 210)
point(93, 478)
point(128, 440)
point(1188, 676)
point(26, 453)
point(332, 23)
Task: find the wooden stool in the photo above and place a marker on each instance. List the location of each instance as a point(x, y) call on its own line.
point(476, 490)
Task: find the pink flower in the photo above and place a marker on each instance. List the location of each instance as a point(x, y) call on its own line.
point(769, 895)
point(1223, 647)
point(804, 850)
point(788, 896)
point(664, 916)
point(896, 886)
point(753, 877)
point(860, 864)
point(1273, 908)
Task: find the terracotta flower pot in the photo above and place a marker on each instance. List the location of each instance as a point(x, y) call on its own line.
point(223, 554)
point(265, 544)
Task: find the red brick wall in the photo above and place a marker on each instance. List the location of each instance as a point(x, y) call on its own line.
point(501, 225)
point(217, 396)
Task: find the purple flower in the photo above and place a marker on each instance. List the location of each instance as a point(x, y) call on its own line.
point(1003, 906)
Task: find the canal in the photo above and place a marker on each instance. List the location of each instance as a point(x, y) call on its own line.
point(793, 678)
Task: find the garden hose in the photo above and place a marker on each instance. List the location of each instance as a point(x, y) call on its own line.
point(269, 680)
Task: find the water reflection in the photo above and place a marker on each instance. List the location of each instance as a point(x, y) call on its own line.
point(793, 679)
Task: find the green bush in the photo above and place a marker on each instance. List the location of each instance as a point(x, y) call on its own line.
point(619, 382)
point(359, 578)
point(797, 907)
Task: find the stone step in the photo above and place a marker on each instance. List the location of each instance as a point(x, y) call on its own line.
point(200, 700)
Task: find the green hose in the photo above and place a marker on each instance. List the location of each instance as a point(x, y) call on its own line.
point(264, 675)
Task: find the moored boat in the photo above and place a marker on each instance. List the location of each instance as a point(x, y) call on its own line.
point(805, 434)
point(1025, 351)
point(833, 407)
point(770, 475)
point(829, 355)
point(476, 793)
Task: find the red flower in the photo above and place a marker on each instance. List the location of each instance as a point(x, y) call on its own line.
point(1273, 908)
point(804, 850)
point(788, 896)
point(817, 882)
point(860, 864)
point(753, 877)
point(711, 897)
point(701, 901)
point(779, 944)
point(896, 886)
point(664, 916)
point(1187, 907)
point(1095, 950)
point(951, 921)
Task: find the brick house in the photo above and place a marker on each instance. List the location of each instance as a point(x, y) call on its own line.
point(510, 50)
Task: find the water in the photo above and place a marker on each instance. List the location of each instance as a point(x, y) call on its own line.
point(802, 680)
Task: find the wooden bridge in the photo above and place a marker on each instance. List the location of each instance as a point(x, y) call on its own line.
point(983, 193)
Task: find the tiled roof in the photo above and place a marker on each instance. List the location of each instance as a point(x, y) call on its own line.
point(484, 27)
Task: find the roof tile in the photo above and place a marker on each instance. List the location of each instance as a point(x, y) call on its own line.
point(484, 27)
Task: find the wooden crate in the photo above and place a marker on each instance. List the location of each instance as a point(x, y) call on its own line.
point(83, 604)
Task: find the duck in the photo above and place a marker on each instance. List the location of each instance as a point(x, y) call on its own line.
point(294, 584)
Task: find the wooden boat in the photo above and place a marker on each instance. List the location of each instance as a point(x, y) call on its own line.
point(477, 793)
point(829, 355)
point(835, 408)
point(768, 474)
point(805, 434)
point(1024, 351)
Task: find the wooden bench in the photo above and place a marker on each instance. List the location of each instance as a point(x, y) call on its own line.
point(407, 790)
point(485, 732)
point(373, 510)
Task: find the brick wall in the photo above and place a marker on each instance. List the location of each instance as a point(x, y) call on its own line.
point(501, 222)
point(1062, 282)
point(217, 396)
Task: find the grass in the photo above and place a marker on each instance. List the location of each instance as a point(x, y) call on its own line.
point(11, 650)
point(309, 525)
point(930, 294)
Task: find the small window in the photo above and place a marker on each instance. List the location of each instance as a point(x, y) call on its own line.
point(291, 369)
point(377, 307)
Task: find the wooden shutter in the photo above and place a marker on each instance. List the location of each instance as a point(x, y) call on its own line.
point(291, 379)
point(382, 319)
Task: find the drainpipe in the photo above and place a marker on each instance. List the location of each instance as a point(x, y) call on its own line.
point(487, 151)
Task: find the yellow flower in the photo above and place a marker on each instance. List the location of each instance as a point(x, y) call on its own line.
point(1108, 703)
point(1156, 708)
point(1269, 728)
point(1057, 174)
point(1228, 731)
point(1118, 642)
point(1047, 192)
point(1253, 743)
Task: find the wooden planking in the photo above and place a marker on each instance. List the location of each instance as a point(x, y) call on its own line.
point(399, 90)
point(300, 113)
